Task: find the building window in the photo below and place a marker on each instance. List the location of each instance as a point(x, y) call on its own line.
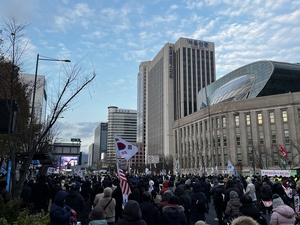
point(248, 121)
point(237, 121)
point(201, 128)
point(287, 136)
point(275, 158)
point(219, 141)
point(299, 115)
point(238, 139)
point(214, 142)
point(224, 140)
point(284, 116)
point(205, 124)
point(218, 122)
point(223, 121)
point(239, 157)
point(259, 118)
point(272, 117)
point(261, 137)
point(212, 123)
point(184, 132)
point(192, 130)
point(220, 159)
point(273, 135)
point(197, 128)
point(249, 136)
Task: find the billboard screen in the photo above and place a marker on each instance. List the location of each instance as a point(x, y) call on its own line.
point(68, 161)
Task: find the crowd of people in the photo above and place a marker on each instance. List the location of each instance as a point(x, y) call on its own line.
point(162, 200)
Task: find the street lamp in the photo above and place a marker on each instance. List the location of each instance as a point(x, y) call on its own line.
point(34, 88)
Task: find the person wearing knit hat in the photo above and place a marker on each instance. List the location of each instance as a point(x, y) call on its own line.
point(233, 205)
point(282, 213)
point(173, 213)
point(96, 216)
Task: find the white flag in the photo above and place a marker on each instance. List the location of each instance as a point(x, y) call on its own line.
point(212, 170)
point(216, 169)
point(230, 166)
point(124, 148)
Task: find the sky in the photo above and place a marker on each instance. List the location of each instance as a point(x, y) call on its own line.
point(114, 36)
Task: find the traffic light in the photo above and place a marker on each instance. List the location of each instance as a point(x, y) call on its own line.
point(80, 158)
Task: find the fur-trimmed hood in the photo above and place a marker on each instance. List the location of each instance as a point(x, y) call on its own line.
point(173, 209)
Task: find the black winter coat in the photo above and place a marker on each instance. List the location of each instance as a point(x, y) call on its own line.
point(132, 214)
point(59, 212)
point(76, 202)
point(197, 195)
point(174, 215)
point(150, 213)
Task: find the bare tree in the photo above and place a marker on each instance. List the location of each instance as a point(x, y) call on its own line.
point(35, 138)
point(262, 156)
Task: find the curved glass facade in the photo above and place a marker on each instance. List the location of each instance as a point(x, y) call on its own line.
point(237, 89)
point(261, 78)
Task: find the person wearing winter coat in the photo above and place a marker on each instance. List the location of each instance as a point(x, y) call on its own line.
point(132, 214)
point(75, 200)
point(96, 216)
point(164, 202)
point(282, 214)
point(233, 205)
point(118, 196)
point(173, 214)
point(59, 211)
point(198, 206)
point(247, 208)
point(87, 206)
point(165, 187)
point(231, 186)
point(108, 203)
point(250, 189)
point(150, 212)
point(184, 200)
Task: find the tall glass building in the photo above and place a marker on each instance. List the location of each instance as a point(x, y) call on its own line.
point(175, 76)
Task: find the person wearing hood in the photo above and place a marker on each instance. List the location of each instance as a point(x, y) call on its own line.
point(184, 200)
point(233, 205)
point(173, 214)
point(247, 208)
point(198, 206)
point(132, 214)
point(165, 187)
point(108, 203)
point(167, 195)
point(96, 216)
point(231, 186)
point(250, 189)
point(59, 211)
point(75, 200)
point(150, 212)
point(282, 213)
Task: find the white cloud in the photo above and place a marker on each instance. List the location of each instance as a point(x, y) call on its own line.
point(292, 18)
point(192, 4)
point(158, 20)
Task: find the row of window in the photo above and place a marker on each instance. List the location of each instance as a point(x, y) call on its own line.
point(216, 142)
point(215, 122)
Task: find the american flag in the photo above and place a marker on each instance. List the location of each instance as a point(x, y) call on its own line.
point(123, 182)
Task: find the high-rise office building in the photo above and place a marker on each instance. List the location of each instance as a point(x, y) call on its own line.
point(121, 122)
point(175, 76)
point(90, 155)
point(40, 101)
point(100, 141)
point(141, 106)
